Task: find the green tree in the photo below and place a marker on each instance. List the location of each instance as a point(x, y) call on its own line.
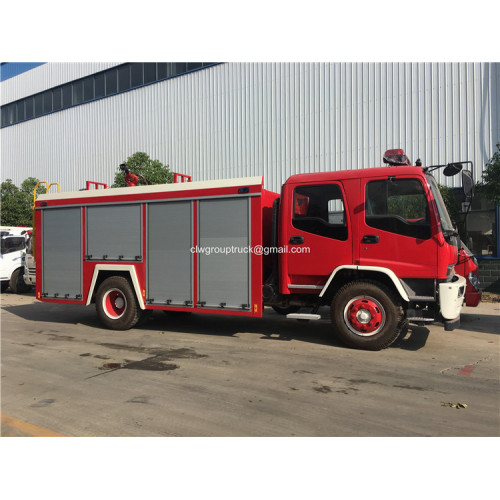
point(16, 203)
point(143, 166)
point(490, 186)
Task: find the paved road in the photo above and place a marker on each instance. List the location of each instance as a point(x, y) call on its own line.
point(202, 375)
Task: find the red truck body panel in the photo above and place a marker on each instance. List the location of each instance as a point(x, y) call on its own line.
point(260, 218)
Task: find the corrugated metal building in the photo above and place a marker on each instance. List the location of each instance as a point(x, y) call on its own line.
point(241, 119)
point(215, 121)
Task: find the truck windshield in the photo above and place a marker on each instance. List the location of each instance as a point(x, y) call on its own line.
point(12, 244)
point(446, 223)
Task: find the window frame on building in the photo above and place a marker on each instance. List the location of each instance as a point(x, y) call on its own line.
point(106, 83)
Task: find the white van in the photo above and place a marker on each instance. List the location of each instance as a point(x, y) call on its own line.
point(13, 249)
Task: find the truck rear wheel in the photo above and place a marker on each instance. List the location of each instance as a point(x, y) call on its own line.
point(366, 315)
point(116, 304)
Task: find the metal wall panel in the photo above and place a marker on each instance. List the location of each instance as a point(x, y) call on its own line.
point(46, 76)
point(114, 232)
point(170, 259)
point(270, 119)
point(62, 252)
point(224, 276)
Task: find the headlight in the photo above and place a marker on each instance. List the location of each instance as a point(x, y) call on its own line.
point(474, 281)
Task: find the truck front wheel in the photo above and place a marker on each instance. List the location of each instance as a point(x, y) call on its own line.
point(17, 284)
point(366, 315)
point(116, 304)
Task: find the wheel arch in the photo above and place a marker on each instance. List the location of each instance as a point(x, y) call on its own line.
point(343, 274)
point(104, 271)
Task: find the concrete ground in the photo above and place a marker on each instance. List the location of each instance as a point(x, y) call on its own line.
point(202, 375)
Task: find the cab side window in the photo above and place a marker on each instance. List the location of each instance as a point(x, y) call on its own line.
point(320, 210)
point(12, 244)
point(398, 206)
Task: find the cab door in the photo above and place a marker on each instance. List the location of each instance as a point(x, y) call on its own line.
point(395, 231)
point(318, 235)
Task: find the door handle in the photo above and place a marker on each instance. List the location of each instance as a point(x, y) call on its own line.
point(296, 240)
point(370, 239)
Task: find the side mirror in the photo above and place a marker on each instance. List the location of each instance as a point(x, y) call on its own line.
point(467, 183)
point(452, 169)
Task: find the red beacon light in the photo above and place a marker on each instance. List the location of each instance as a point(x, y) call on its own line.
point(396, 157)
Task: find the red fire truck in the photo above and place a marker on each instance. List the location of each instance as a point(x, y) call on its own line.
point(375, 245)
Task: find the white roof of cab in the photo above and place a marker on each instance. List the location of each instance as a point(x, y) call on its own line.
point(155, 188)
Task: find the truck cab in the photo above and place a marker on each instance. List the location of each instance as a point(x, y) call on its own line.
point(376, 245)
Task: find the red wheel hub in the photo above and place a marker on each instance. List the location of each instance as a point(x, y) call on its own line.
point(114, 303)
point(364, 315)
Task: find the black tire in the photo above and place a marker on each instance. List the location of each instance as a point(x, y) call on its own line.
point(5, 285)
point(286, 310)
point(367, 315)
point(116, 304)
point(17, 284)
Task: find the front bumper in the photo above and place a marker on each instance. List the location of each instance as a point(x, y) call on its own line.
point(451, 297)
point(29, 276)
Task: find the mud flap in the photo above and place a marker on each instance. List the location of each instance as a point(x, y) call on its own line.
point(452, 324)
